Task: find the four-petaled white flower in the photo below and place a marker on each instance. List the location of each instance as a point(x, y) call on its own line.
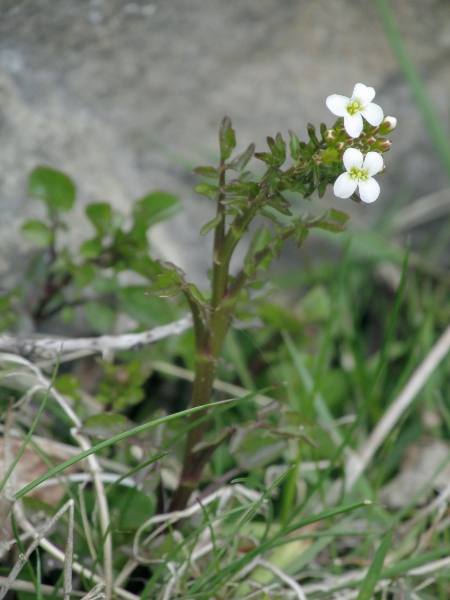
point(359, 175)
point(354, 108)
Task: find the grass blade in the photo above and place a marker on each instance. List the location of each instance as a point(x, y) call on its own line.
point(373, 574)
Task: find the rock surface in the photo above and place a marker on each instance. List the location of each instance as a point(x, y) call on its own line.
point(126, 97)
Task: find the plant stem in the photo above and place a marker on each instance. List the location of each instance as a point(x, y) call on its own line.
point(209, 340)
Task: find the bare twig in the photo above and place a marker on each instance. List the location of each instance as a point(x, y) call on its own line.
point(91, 461)
point(76, 566)
point(48, 348)
point(24, 557)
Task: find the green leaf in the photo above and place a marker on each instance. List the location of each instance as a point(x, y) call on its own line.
point(100, 317)
point(84, 274)
point(255, 449)
point(208, 190)
point(227, 138)
point(281, 145)
point(261, 240)
point(67, 314)
point(37, 233)
point(172, 281)
point(210, 225)
point(91, 248)
point(332, 220)
point(316, 304)
point(148, 311)
point(210, 172)
point(153, 208)
point(266, 157)
point(100, 214)
point(240, 161)
point(373, 574)
point(280, 318)
point(167, 284)
point(131, 508)
point(53, 187)
point(294, 145)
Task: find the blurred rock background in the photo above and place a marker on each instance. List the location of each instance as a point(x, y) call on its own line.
point(126, 97)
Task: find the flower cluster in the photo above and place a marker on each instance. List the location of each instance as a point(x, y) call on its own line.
point(358, 141)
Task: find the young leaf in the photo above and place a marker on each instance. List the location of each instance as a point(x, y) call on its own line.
point(53, 187)
point(227, 138)
point(294, 145)
point(208, 190)
point(281, 145)
point(210, 172)
point(266, 157)
point(37, 233)
point(239, 162)
point(210, 225)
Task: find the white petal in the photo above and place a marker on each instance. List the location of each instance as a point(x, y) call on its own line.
point(337, 104)
point(373, 113)
point(373, 162)
point(369, 190)
point(363, 93)
point(353, 124)
point(353, 158)
point(344, 186)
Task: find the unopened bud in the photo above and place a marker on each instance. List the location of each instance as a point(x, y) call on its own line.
point(317, 159)
point(370, 129)
point(387, 125)
point(330, 136)
point(383, 145)
point(370, 140)
point(341, 146)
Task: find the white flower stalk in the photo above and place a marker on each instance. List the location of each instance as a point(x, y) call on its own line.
point(359, 174)
point(355, 108)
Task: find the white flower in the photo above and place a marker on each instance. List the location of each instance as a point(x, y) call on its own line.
point(359, 175)
point(354, 108)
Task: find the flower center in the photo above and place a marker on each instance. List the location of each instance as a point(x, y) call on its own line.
point(359, 174)
point(354, 106)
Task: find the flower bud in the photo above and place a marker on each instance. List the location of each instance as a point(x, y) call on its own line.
point(383, 145)
point(370, 140)
point(371, 129)
point(388, 124)
point(341, 146)
point(330, 136)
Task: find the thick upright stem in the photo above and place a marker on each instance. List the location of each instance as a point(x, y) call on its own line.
point(209, 342)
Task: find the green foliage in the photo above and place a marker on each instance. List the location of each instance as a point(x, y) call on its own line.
point(311, 375)
point(54, 188)
point(69, 279)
